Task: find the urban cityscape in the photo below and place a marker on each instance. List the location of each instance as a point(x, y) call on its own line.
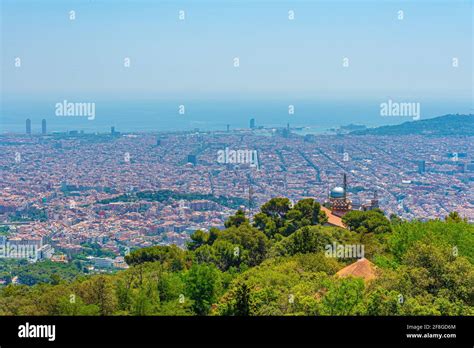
point(62, 192)
point(261, 171)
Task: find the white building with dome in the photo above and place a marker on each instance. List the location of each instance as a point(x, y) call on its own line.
point(338, 200)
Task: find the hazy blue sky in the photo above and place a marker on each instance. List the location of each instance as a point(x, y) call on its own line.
point(194, 58)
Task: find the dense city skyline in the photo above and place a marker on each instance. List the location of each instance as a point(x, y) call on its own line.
point(77, 181)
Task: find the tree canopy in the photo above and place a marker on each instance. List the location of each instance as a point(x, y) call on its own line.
point(273, 265)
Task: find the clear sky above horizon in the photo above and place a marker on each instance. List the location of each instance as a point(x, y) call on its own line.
point(388, 57)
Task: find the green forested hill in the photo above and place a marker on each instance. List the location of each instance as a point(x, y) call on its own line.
point(448, 125)
point(278, 265)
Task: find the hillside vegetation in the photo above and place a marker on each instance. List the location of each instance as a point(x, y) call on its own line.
point(448, 125)
point(278, 265)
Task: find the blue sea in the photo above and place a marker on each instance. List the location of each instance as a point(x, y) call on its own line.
point(157, 115)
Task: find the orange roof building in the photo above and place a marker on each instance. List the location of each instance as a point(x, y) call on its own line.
point(362, 268)
point(333, 220)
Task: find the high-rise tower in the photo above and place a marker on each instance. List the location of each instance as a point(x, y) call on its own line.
point(421, 166)
point(252, 123)
point(43, 126)
point(28, 126)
